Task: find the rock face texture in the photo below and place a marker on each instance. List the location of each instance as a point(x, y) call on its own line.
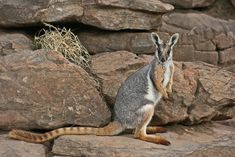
point(22, 13)
point(14, 43)
point(202, 38)
point(200, 141)
point(202, 92)
point(152, 5)
point(41, 90)
point(88, 12)
point(118, 18)
point(190, 3)
point(13, 148)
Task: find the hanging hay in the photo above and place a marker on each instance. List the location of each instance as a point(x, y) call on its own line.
point(64, 42)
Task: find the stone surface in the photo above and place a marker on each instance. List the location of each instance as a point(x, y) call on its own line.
point(138, 43)
point(42, 90)
point(151, 5)
point(229, 122)
point(190, 3)
point(24, 12)
point(198, 141)
point(13, 148)
point(119, 19)
point(14, 43)
point(202, 92)
point(230, 68)
point(227, 55)
point(202, 33)
point(211, 57)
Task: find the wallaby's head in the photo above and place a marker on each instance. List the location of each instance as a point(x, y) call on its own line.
point(164, 49)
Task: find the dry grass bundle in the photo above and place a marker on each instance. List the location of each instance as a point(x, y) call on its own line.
point(63, 41)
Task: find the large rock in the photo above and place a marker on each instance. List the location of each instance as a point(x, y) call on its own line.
point(190, 3)
point(202, 92)
point(152, 5)
point(198, 141)
point(14, 43)
point(24, 12)
point(119, 19)
point(139, 43)
point(42, 90)
point(13, 148)
point(27, 13)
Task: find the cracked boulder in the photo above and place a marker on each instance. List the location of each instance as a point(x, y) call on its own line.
point(201, 92)
point(42, 90)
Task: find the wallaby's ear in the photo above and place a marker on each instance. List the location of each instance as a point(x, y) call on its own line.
point(174, 38)
point(155, 38)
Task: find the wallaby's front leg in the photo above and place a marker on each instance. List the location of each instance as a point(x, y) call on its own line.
point(169, 85)
point(159, 77)
point(140, 131)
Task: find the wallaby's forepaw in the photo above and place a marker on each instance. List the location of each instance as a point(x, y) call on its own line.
point(165, 96)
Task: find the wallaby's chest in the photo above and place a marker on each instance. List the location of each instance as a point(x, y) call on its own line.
point(167, 73)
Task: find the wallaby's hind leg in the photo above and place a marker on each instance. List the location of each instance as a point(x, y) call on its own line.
point(155, 129)
point(140, 131)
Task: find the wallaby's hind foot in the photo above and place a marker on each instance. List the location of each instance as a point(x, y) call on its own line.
point(141, 129)
point(153, 139)
point(155, 129)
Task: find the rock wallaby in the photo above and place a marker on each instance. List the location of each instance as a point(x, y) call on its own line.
point(135, 101)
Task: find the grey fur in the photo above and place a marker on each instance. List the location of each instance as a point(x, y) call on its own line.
point(131, 96)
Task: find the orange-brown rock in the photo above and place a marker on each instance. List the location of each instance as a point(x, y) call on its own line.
point(42, 90)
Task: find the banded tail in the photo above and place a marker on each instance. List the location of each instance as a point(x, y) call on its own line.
point(112, 128)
